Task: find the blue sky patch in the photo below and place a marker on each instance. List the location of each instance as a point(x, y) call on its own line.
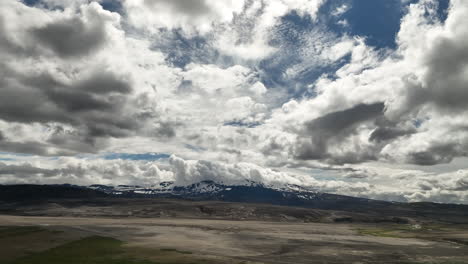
point(296, 37)
point(112, 5)
point(181, 50)
point(376, 20)
point(442, 10)
point(30, 2)
point(195, 148)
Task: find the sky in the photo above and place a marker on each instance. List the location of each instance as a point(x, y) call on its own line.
point(366, 98)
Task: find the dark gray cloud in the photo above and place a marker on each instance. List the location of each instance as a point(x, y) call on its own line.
point(334, 128)
point(103, 83)
point(337, 122)
point(101, 91)
point(33, 147)
point(165, 129)
point(46, 98)
point(80, 141)
point(23, 103)
point(437, 153)
point(71, 37)
point(444, 88)
point(444, 85)
point(388, 131)
point(83, 112)
point(446, 78)
point(192, 8)
point(93, 102)
point(26, 170)
point(94, 106)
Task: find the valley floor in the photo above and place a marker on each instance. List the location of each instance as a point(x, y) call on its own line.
point(37, 240)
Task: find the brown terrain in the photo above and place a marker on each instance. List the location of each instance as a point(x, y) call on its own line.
point(220, 232)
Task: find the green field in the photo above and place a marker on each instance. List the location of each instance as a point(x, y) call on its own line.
point(6, 232)
point(428, 232)
point(26, 246)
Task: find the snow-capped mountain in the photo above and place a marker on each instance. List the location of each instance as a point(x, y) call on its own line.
point(250, 192)
point(202, 188)
point(207, 192)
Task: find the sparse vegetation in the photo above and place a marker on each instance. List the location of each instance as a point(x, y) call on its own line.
point(403, 231)
point(18, 241)
point(377, 232)
point(98, 250)
point(38, 245)
point(433, 232)
point(175, 250)
point(91, 250)
point(18, 231)
point(59, 240)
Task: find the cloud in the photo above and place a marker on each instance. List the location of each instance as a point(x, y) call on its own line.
point(340, 10)
point(70, 37)
point(104, 83)
point(256, 88)
point(388, 131)
point(436, 154)
point(397, 185)
point(333, 129)
point(341, 120)
point(142, 156)
point(92, 103)
point(32, 147)
point(25, 170)
point(78, 31)
point(191, 16)
point(191, 8)
point(123, 171)
point(442, 79)
point(422, 95)
point(192, 171)
point(62, 82)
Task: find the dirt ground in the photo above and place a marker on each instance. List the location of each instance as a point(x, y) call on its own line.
point(271, 242)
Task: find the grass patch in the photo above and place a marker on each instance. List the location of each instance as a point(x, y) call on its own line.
point(39, 245)
point(377, 232)
point(19, 241)
point(175, 250)
point(90, 250)
point(6, 232)
point(402, 231)
point(104, 250)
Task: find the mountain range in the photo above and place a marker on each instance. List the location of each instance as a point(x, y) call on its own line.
point(253, 195)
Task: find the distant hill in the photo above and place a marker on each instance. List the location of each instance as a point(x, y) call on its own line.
point(41, 192)
point(252, 193)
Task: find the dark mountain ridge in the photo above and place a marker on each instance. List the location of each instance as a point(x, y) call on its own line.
point(289, 196)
